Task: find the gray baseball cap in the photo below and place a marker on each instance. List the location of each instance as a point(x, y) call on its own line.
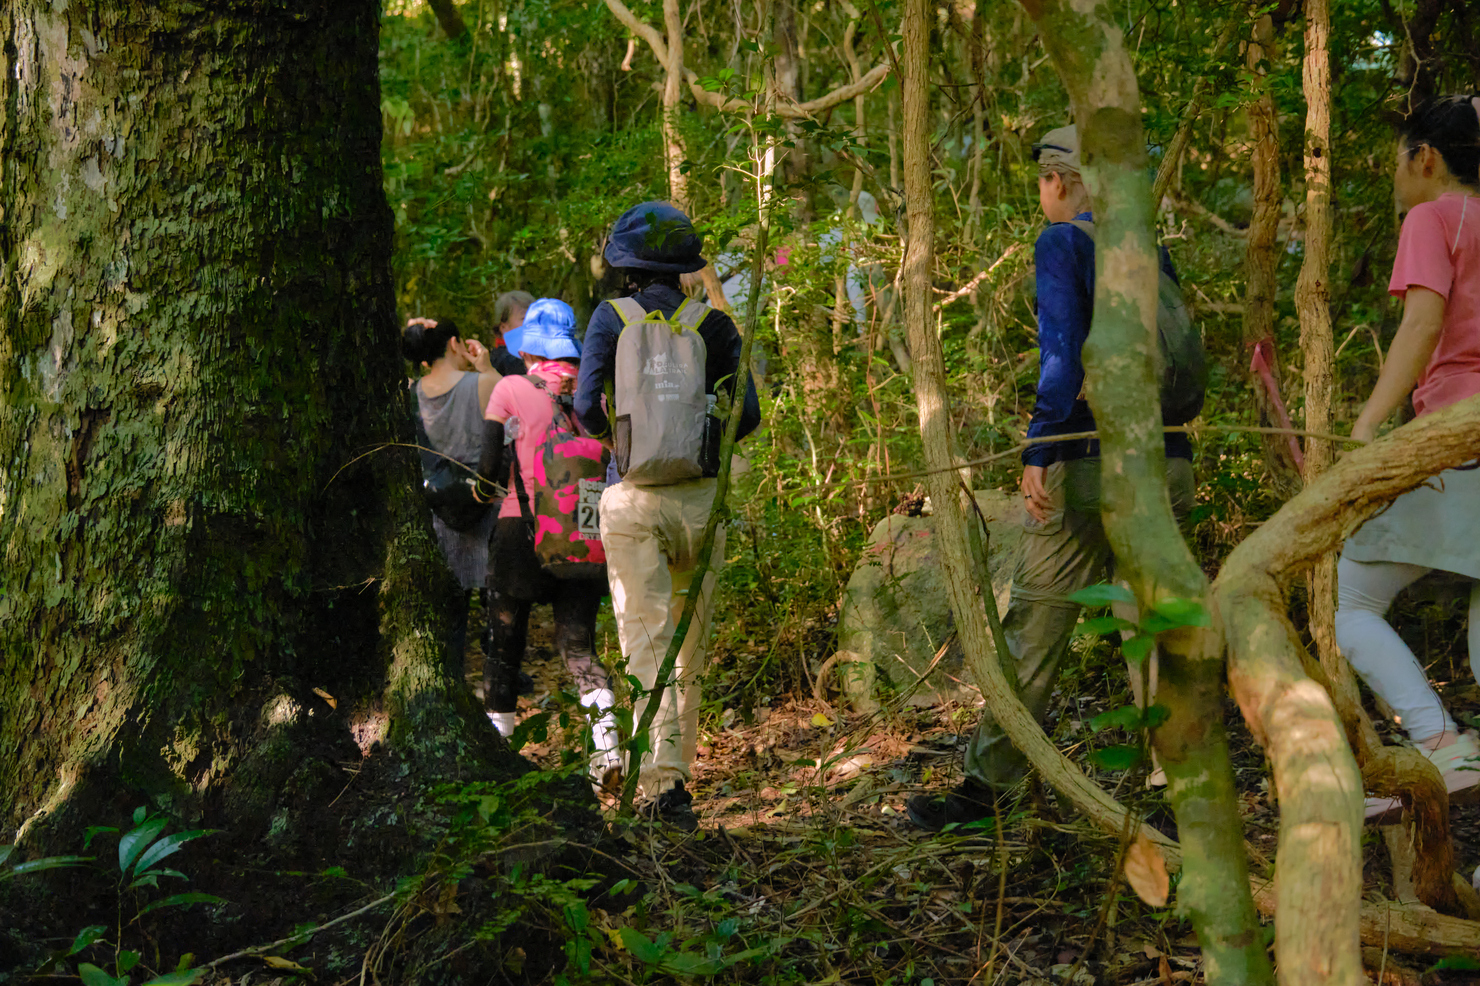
point(1058, 150)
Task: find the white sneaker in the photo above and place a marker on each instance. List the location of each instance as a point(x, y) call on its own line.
point(1458, 763)
point(504, 722)
point(607, 758)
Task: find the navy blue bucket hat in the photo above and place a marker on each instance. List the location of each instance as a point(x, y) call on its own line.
point(655, 236)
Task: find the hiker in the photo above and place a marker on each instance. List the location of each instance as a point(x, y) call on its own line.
point(508, 315)
point(546, 544)
point(1065, 548)
point(664, 373)
point(1435, 356)
point(450, 397)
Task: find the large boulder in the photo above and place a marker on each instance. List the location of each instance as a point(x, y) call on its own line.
point(896, 614)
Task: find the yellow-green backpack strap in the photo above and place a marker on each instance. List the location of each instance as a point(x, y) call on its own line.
point(628, 310)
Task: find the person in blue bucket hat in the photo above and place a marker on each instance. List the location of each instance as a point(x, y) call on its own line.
point(548, 332)
point(531, 414)
point(651, 527)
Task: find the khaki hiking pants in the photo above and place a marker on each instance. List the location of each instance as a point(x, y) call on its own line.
point(1058, 558)
point(651, 535)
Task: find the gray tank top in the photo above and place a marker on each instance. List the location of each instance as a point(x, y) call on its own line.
point(454, 421)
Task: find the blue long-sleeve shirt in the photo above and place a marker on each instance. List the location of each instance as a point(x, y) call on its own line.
point(599, 358)
point(1064, 260)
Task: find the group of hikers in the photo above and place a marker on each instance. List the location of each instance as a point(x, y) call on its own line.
point(610, 480)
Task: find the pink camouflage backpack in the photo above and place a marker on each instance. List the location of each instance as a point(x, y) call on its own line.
point(561, 502)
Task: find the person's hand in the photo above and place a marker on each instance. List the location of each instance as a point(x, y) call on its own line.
point(1364, 431)
point(426, 323)
point(479, 356)
point(1035, 497)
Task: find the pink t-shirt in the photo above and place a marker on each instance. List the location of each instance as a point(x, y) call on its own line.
point(1439, 249)
point(518, 397)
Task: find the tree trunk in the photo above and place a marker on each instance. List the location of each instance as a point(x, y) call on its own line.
point(1434, 861)
point(674, 151)
point(197, 336)
point(1281, 452)
point(1089, 53)
point(1318, 870)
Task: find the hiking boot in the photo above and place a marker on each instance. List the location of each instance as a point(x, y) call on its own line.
point(673, 807)
point(968, 802)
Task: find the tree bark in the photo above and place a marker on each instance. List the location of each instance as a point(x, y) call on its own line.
point(1261, 260)
point(197, 336)
point(1088, 50)
point(1318, 869)
point(448, 17)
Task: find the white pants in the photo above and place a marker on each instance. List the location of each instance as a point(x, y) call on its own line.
point(651, 535)
point(1365, 591)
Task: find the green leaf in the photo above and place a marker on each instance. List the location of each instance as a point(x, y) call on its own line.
point(127, 960)
point(1184, 612)
point(689, 964)
point(577, 916)
point(1116, 757)
point(535, 729)
point(167, 846)
point(642, 948)
point(91, 975)
point(183, 977)
point(46, 863)
point(1136, 648)
point(137, 839)
point(181, 900)
point(1102, 595)
point(1125, 717)
point(93, 832)
point(140, 813)
point(1467, 963)
point(1102, 624)
point(5, 852)
point(1156, 715)
point(86, 937)
point(1154, 623)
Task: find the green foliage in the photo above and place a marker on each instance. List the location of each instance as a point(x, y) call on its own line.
point(140, 850)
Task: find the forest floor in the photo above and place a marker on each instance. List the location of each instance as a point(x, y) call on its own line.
point(805, 870)
point(803, 823)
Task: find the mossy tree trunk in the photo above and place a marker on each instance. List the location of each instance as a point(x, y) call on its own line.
point(1087, 49)
point(197, 331)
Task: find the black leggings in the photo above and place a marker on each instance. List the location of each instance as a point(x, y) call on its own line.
point(516, 584)
point(575, 603)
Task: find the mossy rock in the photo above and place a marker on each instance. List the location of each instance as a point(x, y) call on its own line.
point(896, 613)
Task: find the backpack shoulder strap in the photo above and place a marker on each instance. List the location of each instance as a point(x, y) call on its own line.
point(690, 313)
point(628, 310)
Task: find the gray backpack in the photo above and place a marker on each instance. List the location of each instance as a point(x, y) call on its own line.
point(1182, 363)
point(662, 424)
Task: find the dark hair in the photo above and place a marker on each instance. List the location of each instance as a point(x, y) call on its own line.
point(1451, 126)
point(635, 279)
point(427, 344)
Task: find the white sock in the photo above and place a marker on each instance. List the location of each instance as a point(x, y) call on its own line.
point(604, 729)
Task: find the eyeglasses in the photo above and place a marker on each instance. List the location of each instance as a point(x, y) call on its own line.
point(1038, 149)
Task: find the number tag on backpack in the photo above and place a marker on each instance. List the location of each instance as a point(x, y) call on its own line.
point(588, 511)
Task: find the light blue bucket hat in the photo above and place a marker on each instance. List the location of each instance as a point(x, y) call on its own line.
point(548, 331)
